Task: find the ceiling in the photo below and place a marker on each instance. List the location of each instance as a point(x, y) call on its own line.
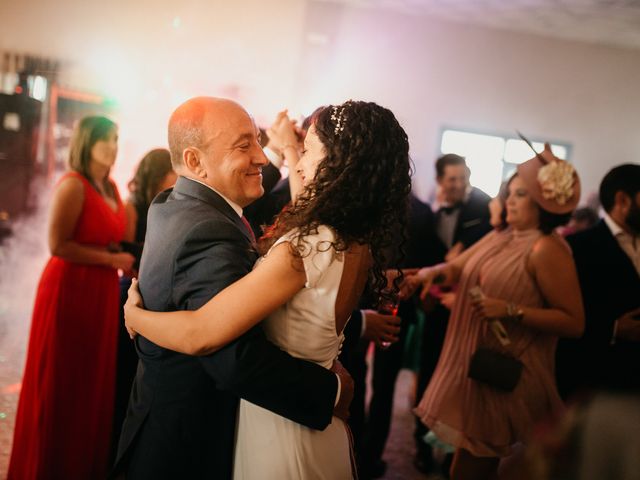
point(606, 22)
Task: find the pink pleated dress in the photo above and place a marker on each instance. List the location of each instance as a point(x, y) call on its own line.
point(471, 415)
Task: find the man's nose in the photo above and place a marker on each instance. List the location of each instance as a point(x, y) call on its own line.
point(259, 158)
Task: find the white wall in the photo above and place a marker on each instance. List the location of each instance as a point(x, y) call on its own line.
point(301, 54)
point(434, 74)
point(137, 53)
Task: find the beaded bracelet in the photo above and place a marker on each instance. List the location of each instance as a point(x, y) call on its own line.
point(514, 313)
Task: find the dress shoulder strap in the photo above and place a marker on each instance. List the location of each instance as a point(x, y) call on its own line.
point(72, 174)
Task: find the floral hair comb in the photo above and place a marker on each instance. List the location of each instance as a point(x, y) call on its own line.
point(338, 118)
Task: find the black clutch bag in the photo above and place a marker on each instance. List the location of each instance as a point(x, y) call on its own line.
point(495, 369)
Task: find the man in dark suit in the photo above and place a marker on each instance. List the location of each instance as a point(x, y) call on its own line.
point(182, 413)
point(387, 362)
point(462, 218)
point(607, 259)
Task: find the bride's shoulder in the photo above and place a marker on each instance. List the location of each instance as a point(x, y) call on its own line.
point(316, 246)
point(322, 233)
point(320, 239)
point(316, 250)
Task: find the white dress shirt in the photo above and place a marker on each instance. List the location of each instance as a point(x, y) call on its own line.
point(236, 208)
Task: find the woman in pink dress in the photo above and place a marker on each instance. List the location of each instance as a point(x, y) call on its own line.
point(527, 279)
point(63, 423)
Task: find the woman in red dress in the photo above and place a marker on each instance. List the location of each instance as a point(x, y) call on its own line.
point(64, 416)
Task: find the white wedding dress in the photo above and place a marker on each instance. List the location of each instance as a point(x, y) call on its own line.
point(271, 447)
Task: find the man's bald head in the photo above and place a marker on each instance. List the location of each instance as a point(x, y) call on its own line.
point(215, 141)
point(187, 124)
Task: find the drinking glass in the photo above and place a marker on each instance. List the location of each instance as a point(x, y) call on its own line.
point(388, 305)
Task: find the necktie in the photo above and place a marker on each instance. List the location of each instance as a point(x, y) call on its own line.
point(249, 229)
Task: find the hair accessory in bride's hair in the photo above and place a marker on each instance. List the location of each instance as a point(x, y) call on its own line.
point(338, 118)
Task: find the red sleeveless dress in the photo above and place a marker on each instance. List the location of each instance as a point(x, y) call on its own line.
point(64, 416)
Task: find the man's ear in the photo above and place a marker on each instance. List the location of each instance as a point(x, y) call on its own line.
point(192, 162)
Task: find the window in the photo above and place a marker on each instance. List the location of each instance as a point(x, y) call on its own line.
point(37, 87)
point(493, 158)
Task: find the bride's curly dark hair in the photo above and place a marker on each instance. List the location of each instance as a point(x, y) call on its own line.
point(360, 189)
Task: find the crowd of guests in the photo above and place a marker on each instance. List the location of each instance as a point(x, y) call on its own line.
point(525, 307)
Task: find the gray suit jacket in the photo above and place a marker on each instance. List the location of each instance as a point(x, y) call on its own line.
point(182, 413)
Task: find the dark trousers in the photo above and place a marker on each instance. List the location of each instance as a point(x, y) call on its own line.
point(127, 363)
point(386, 366)
point(354, 361)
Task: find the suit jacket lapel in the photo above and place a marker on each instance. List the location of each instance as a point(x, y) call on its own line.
point(191, 188)
point(612, 248)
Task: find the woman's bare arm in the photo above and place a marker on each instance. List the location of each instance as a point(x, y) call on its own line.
point(295, 180)
point(283, 132)
point(229, 314)
point(447, 273)
point(66, 208)
point(552, 265)
point(555, 273)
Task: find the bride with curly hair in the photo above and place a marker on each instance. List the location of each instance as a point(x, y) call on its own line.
point(350, 190)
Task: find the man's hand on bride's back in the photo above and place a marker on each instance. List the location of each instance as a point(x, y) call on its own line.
point(341, 410)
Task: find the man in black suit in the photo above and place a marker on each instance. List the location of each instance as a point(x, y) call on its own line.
point(182, 413)
point(607, 259)
point(387, 362)
point(461, 220)
point(462, 216)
